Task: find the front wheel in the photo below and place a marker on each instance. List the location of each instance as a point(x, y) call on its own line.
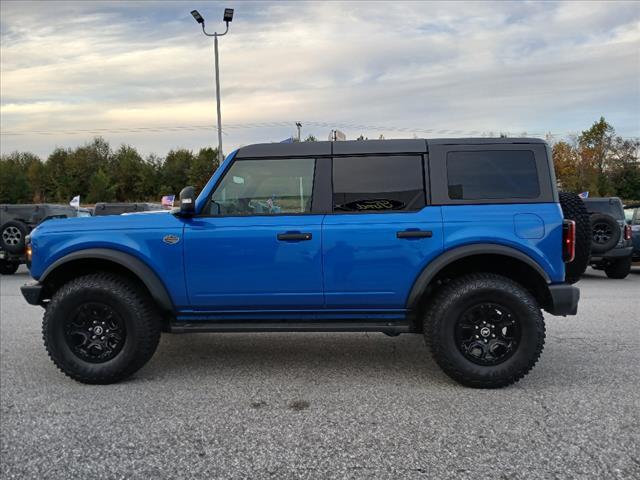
point(484, 330)
point(8, 268)
point(100, 328)
point(618, 268)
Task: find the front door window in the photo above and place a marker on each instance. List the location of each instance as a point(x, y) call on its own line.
point(265, 187)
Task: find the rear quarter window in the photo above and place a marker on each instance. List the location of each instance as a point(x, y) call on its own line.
point(492, 175)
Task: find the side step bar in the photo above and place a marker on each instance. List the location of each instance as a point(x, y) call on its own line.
point(391, 328)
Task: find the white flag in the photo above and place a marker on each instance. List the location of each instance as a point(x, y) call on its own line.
point(75, 201)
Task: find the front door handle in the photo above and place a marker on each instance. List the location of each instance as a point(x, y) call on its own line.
point(294, 236)
point(414, 234)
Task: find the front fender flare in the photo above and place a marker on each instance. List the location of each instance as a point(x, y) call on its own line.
point(140, 269)
point(450, 256)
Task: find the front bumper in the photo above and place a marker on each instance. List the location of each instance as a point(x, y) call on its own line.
point(564, 299)
point(32, 293)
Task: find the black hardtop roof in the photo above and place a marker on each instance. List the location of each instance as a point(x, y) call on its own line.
point(602, 200)
point(359, 147)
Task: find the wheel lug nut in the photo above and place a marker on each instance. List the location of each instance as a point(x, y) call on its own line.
point(93, 337)
point(101, 338)
point(477, 327)
point(477, 336)
point(493, 335)
point(485, 340)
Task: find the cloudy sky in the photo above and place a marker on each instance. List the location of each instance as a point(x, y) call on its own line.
point(142, 72)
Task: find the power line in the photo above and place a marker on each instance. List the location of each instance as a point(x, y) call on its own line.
point(275, 124)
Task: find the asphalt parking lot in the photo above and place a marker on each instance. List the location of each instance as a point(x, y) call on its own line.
point(328, 405)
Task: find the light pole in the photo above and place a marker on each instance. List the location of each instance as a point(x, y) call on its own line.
point(299, 126)
point(228, 16)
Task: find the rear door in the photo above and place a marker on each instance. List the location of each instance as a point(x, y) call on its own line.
point(380, 233)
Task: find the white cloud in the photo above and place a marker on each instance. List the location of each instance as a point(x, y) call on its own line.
point(475, 66)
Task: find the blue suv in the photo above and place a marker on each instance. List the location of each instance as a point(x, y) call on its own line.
point(463, 240)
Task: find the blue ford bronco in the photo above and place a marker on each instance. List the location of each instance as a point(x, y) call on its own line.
point(462, 240)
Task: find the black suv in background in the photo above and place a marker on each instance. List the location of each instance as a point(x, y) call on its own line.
point(612, 246)
point(16, 222)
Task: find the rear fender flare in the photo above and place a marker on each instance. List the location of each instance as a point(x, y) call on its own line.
point(450, 256)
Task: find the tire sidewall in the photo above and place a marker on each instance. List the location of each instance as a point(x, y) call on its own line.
point(62, 352)
point(19, 248)
point(456, 297)
point(8, 268)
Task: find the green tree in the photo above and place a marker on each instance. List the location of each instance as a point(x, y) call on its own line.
point(101, 188)
point(596, 148)
point(14, 186)
point(175, 170)
point(202, 167)
point(127, 174)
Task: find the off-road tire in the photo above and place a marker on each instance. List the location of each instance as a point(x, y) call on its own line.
point(132, 305)
point(453, 299)
point(619, 268)
point(573, 208)
point(602, 220)
point(8, 268)
point(13, 235)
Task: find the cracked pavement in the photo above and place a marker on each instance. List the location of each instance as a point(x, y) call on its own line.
point(343, 405)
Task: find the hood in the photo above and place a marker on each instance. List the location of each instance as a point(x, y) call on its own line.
point(109, 222)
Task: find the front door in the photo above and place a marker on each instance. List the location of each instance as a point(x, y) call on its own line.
point(258, 245)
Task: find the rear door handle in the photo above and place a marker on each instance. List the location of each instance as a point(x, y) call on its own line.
point(414, 234)
point(294, 236)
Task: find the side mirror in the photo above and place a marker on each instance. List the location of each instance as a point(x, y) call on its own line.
point(187, 201)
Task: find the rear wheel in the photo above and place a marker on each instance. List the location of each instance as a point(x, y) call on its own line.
point(573, 208)
point(100, 328)
point(484, 330)
point(619, 268)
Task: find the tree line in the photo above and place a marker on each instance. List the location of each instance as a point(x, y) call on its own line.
point(99, 174)
point(597, 161)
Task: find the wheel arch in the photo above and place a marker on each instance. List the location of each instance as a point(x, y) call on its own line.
point(500, 259)
point(92, 259)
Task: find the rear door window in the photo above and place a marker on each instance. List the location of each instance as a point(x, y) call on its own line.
point(492, 174)
point(378, 183)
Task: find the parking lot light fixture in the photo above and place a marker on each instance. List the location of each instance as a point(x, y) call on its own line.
point(227, 17)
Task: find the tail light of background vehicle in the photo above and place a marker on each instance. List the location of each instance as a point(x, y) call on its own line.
point(568, 240)
point(628, 233)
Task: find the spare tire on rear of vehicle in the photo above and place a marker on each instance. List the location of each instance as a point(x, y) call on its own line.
point(605, 232)
point(12, 236)
point(573, 208)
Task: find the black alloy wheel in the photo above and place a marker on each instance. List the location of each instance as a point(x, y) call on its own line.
point(95, 332)
point(487, 333)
